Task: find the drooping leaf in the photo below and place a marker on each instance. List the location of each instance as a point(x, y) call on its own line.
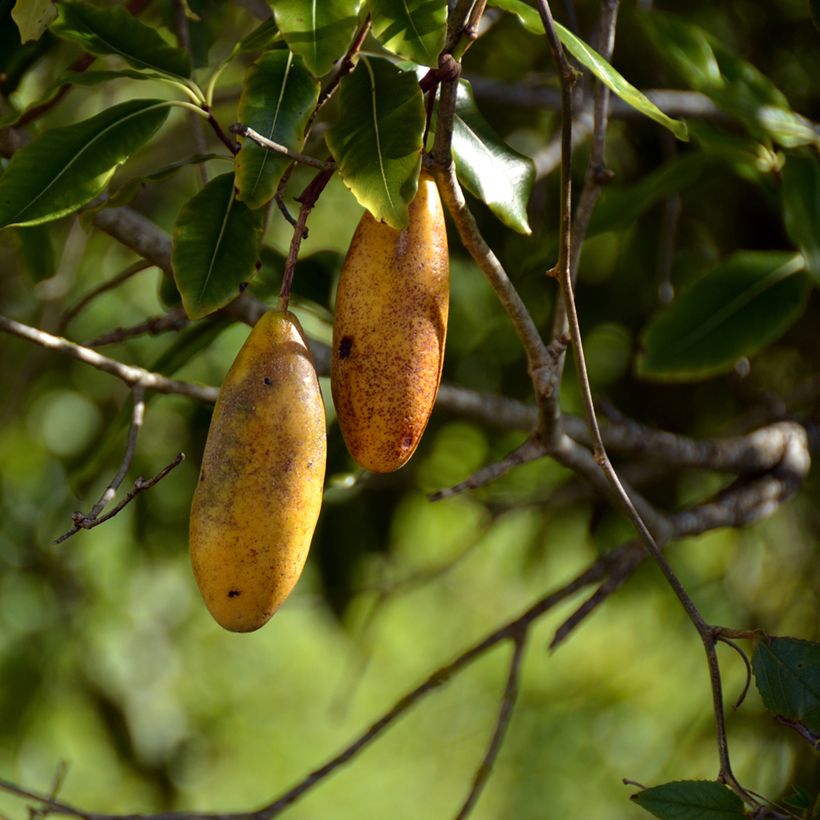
point(90, 78)
point(216, 245)
point(589, 58)
point(113, 30)
point(491, 170)
point(787, 674)
point(621, 205)
point(735, 310)
point(377, 142)
point(277, 97)
point(62, 169)
point(319, 31)
point(32, 18)
point(801, 208)
point(691, 800)
point(410, 28)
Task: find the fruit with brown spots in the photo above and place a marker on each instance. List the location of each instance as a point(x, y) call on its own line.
point(260, 488)
point(389, 332)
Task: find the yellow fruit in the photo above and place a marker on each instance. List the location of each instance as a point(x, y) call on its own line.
point(260, 488)
point(389, 332)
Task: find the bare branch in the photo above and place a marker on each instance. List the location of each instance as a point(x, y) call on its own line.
point(278, 148)
point(82, 521)
point(175, 319)
point(502, 723)
point(130, 374)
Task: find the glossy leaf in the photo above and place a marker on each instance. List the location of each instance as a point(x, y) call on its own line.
point(733, 311)
point(33, 18)
point(113, 30)
point(691, 800)
point(377, 142)
point(491, 170)
point(590, 59)
point(62, 169)
point(621, 205)
point(787, 674)
point(410, 28)
point(216, 246)
point(319, 31)
point(104, 75)
point(277, 97)
point(801, 208)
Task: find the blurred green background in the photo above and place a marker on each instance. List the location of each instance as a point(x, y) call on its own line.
point(109, 662)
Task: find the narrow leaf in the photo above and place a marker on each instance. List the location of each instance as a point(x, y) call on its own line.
point(801, 208)
point(62, 169)
point(588, 57)
point(36, 252)
point(261, 37)
point(377, 142)
point(787, 674)
point(621, 205)
point(691, 800)
point(734, 311)
point(104, 75)
point(216, 245)
point(112, 30)
point(491, 170)
point(277, 98)
point(319, 31)
point(32, 18)
point(410, 28)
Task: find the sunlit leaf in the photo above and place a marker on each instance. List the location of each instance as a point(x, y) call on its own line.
point(733, 311)
point(589, 58)
point(104, 75)
point(113, 30)
point(488, 167)
point(319, 31)
point(801, 208)
point(787, 674)
point(410, 28)
point(64, 168)
point(32, 18)
point(277, 97)
point(691, 800)
point(377, 141)
point(216, 246)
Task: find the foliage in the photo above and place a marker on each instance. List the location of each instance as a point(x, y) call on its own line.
point(698, 307)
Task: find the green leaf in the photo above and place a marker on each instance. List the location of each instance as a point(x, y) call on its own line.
point(113, 30)
point(748, 302)
point(319, 31)
point(32, 18)
point(61, 170)
point(491, 170)
point(91, 78)
point(801, 208)
point(621, 205)
point(787, 674)
point(691, 800)
point(277, 97)
point(814, 9)
point(588, 57)
point(377, 142)
point(216, 245)
point(410, 28)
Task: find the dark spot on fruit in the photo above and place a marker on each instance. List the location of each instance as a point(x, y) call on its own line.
point(202, 476)
point(407, 441)
point(345, 347)
point(234, 593)
point(267, 381)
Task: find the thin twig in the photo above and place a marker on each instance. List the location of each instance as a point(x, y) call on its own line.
point(175, 319)
point(502, 723)
point(278, 148)
point(82, 521)
point(723, 639)
point(109, 284)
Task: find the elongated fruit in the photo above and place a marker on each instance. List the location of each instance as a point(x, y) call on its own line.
point(389, 332)
point(260, 488)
